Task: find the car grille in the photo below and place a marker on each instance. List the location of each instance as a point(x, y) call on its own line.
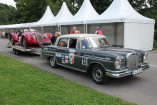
point(39, 38)
point(133, 62)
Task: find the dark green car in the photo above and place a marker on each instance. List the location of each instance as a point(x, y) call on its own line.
point(92, 53)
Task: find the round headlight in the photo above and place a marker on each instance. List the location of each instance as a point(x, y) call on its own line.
point(117, 63)
point(145, 56)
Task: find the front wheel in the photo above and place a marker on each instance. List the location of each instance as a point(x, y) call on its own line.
point(52, 62)
point(99, 74)
point(24, 43)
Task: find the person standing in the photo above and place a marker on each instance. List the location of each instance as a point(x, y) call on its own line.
point(54, 38)
point(73, 31)
point(98, 31)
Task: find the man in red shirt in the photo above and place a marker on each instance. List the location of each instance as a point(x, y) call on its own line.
point(98, 31)
point(73, 30)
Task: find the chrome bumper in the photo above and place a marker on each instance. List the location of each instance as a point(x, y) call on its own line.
point(123, 73)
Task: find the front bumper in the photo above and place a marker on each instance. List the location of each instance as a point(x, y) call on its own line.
point(124, 73)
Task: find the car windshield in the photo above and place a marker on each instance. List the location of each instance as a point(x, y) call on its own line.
point(94, 42)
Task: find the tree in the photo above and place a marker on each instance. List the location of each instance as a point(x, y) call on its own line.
point(101, 5)
point(7, 14)
point(30, 10)
point(55, 6)
point(3, 17)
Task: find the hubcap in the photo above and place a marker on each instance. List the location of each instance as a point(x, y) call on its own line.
point(97, 74)
point(52, 61)
point(24, 43)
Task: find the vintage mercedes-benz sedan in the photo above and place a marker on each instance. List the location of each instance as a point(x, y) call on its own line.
point(92, 53)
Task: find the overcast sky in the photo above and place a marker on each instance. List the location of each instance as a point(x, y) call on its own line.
point(8, 2)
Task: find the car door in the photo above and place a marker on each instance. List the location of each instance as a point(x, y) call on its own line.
point(62, 51)
point(75, 56)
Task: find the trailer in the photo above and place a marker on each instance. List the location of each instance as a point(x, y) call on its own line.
point(18, 50)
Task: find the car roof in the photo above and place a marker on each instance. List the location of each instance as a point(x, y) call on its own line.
point(81, 35)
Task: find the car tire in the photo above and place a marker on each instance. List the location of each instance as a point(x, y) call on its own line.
point(14, 51)
point(52, 62)
point(17, 52)
point(24, 43)
point(12, 41)
point(99, 74)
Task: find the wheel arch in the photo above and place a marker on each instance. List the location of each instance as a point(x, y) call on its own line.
point(92, 64)
point(52, 56)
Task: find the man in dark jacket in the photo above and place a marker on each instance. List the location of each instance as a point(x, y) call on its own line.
point(54, 37)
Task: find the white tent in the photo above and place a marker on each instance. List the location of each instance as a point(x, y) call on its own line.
point(48, 16)
point(85, 13)
point(133, 29)
point(63, 15)
point(53, 25)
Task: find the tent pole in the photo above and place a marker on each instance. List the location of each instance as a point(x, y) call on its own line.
point(60, 29)
point(86, 29)
point(115, 33)
point(43, 30)
point(29, 28)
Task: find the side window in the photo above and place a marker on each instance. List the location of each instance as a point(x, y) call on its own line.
point(63, 42)
point(72, 42)
point(84, 43)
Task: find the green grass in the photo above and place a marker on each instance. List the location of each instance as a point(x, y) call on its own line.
point(23, 84)
point(155, 44)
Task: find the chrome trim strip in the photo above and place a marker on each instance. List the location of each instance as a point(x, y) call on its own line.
point(118, 75)
point(95, 58)
point(113, 71)
point(71, 68)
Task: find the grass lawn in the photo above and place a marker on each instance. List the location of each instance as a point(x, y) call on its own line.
point(23, 84)
point(155, 44)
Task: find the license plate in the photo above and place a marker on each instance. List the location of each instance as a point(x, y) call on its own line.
point(134, 72)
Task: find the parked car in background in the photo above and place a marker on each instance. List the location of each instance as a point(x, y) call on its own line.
point(46, 38)
point(92, 53)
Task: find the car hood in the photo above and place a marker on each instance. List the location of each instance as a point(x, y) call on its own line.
point(117, 51)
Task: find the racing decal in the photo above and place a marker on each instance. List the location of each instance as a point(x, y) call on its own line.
point(71, 56)
point(66, 59)
point(84, 61)
point(63, 58)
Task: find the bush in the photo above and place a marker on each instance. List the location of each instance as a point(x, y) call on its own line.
point(155, 34)
point(155, 43)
